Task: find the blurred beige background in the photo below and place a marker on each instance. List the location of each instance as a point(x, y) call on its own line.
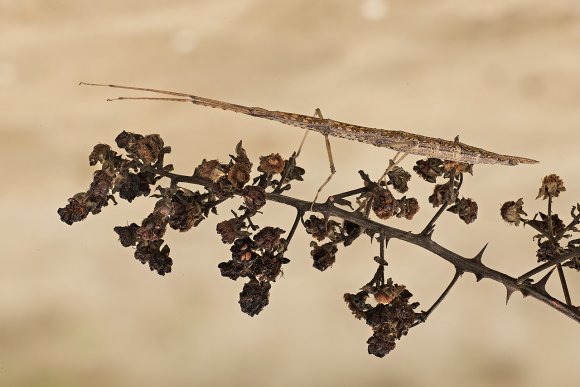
point(76, 309)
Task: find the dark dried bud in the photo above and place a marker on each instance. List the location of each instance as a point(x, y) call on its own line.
point(186, 211)
point(161, 262)
point(239, 174)
point(99, 154)
point(234, 269)
point(429, 169)
point(357, 303)
point(211, 169)
point(132, 185)
point(552, 185)
point(157, 257)
point(384, 204)
point(229, 230)
point(511, 211)
point(441, 194)
point(352, 231)
point(548, 251)
point(399, 178)
point(324, 255)
point(268, 238)
point(101, 185)
point(317, 227)
point(466, 209)
point(127, 234)
point(268, 266)
point(271, 164)
point(243, 249)
point(125, 139)
point(254, 197)
point(149, 148)
point(407, 208)
point(75, 211)
point(381, 342)
point(152, 228)
point(254, 297)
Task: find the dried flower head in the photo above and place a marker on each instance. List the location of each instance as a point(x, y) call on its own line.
point(254, 197)
point(357, 303)
point(321, 228)
point(441, 194)
point(384, 204)
point(323, 255)
point(511, 211)
point(271, 164)
point(229, 230)
point(429, 169)
point(211, 169)
point(99, 154)
point(407, 208)
point(552, 185)
point(158, 258)
point(127, 234)
point(548, 250)
point(466, 209)
point(239, 174)
point(268, 238)
point(399, 178)
point(75, 211)
point(254, 297)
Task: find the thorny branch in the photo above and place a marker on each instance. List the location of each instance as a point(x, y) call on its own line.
point(462, 264)
point(258, 253)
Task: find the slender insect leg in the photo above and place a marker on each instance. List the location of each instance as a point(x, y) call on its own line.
point(330, 161)
point(392, 163)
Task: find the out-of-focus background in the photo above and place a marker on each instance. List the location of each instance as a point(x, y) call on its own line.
point(76, 309)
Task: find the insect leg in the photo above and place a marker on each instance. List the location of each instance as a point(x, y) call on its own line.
point(330, 161)
point(393, 162)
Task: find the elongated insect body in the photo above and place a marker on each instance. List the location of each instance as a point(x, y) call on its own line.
point(397, 140)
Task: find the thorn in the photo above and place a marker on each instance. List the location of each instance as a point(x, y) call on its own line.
point(479, 255)
point(478, 277)
point(456, 140)
point(510, 291)
point(541, 284)
point(428, 231)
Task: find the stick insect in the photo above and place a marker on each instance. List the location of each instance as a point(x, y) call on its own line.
point(403, 143)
